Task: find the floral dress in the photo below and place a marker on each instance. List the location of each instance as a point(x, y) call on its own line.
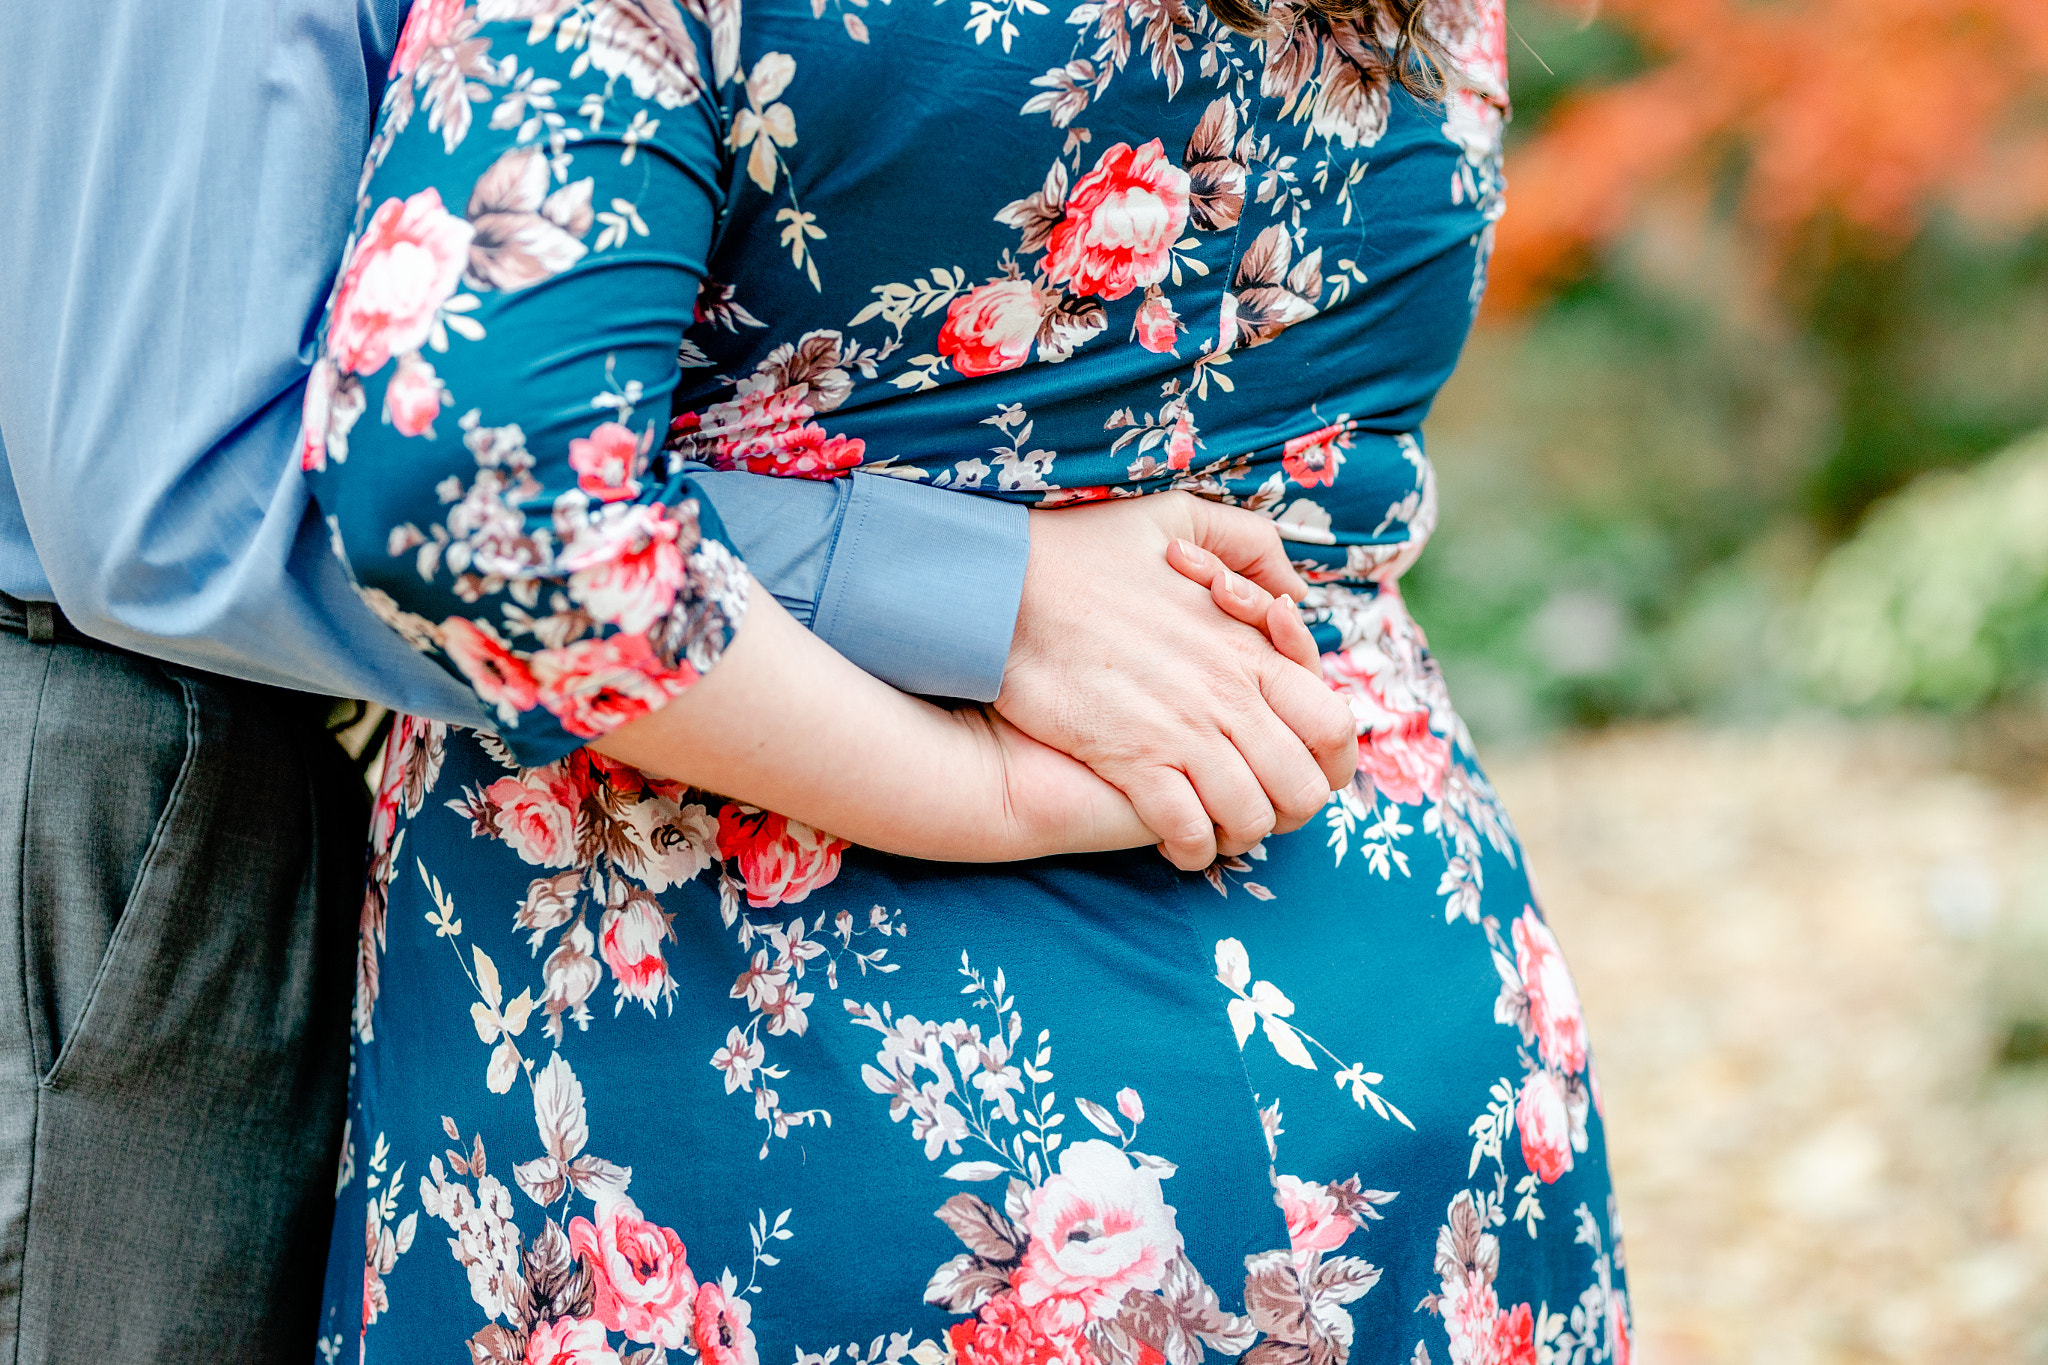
point(642, 1073)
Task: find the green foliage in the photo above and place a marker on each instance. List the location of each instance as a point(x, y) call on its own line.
point(1942, 598)
point(1641, 479)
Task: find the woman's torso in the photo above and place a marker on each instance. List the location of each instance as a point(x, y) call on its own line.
point(1051, 252)
point(641, 1070)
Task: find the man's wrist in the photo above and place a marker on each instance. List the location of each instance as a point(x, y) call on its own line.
point(924, 586)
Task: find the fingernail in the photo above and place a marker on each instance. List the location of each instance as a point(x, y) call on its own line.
point(1238, 588)
point(1188, 550)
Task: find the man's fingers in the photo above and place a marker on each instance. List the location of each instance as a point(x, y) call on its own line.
point(1290, 635)
point(1165, 800)
point(1249, 544)
point(1322, 719)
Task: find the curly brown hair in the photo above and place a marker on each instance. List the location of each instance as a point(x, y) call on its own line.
point(1414, 57)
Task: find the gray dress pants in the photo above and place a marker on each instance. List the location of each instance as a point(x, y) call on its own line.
point(181, 863)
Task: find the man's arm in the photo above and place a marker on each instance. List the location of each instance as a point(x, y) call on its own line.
point(157, 264)
point(918, 586)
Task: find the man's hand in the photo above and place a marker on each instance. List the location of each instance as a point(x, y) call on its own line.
point(1217, 738)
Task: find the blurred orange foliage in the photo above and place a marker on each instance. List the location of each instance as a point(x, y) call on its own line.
point(1862, 112)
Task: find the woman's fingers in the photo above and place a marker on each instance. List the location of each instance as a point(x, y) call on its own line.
point(1247, 543)
point(1240, 598)
point(1165, 800)
point(1243, 600)
point(1290, 635)
point(1234, 797)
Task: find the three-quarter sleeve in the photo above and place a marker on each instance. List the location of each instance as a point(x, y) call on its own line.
point(484, 418)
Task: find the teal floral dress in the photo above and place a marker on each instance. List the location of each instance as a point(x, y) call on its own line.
point(642, 1073)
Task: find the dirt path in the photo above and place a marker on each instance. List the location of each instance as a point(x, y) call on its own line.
point(1803, 954)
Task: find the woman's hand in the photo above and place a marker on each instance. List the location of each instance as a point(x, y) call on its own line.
point(1246, 601)
point(1217, 738)
point(785, 723)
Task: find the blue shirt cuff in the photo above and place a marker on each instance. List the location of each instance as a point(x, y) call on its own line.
point(923, 586)
point(782, 527)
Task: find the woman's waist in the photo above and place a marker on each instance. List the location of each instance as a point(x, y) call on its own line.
point(1348, 496)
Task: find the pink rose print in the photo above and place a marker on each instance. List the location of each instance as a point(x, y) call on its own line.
point(1122, 219)
point(629, 940)
point(1485, 51)
point(606, 460)
point(1553, 999)
point(403, 268)
point(594, 686)
point(414, 397)
point(1180, 446)
point(333, 405)
point(640, 1277)
point(810, 453)
point(533, 821)
point(1478, 50)
point(500, 677)
point(1157, 326)
point(1407, 760)
point(766, 430)
point(1482, 1334)
point(719, 1325)
point(1514, 1337)
point(781, 860)
point(1315, 458)
point(1315, 1222)
point(1098, 1230)
point(1007, 1333)
point(314, 415)
point(1397, 750)
point(1129, 1105)
point(431, 25)
point(626, 566)
point(570, 1341)
point(1546, 1126)
point(1470, 1309)
point(990, 328)
point(1622, 1350)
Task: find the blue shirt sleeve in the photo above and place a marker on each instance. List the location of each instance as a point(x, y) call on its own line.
point(152, 366)
point(916, 585)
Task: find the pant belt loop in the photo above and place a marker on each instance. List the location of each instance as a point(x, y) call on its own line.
point(42, 622)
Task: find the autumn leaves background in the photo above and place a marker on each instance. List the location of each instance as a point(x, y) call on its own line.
point(1763, 267)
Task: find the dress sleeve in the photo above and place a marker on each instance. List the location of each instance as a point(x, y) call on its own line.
point(497, 358)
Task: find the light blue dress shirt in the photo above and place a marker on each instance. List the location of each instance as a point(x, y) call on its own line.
point(178, 181)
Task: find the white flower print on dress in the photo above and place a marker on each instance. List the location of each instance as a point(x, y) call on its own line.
point(1265, 1006)
point(1083, 1262)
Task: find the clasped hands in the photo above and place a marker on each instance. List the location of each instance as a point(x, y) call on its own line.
point(1160, 690)
point(1157, 643)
